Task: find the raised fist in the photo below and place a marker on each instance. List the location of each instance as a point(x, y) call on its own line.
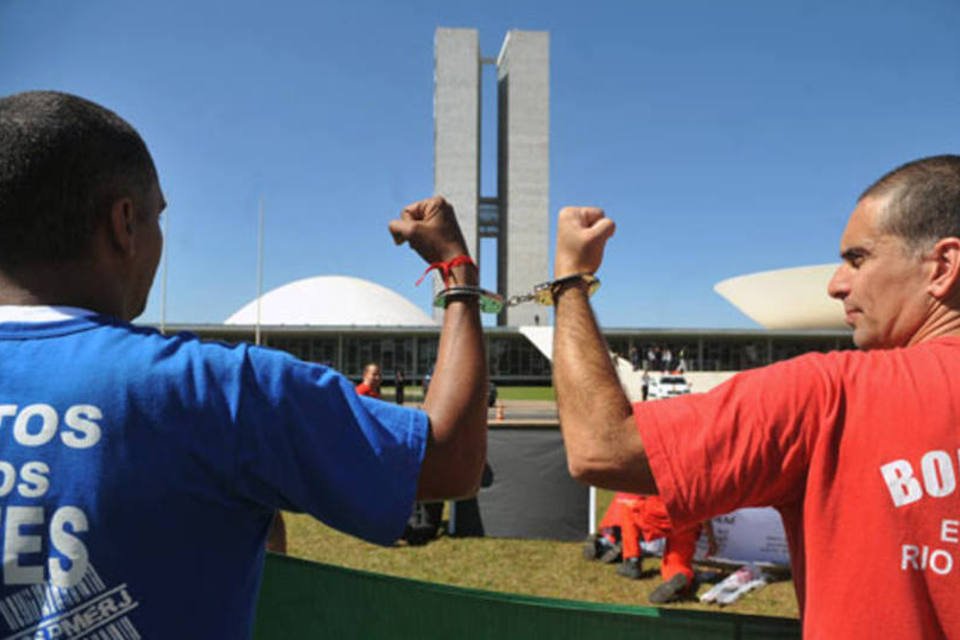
point(430, 226)
point(582, 233)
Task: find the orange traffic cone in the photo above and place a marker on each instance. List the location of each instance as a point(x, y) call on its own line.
point(500, 412)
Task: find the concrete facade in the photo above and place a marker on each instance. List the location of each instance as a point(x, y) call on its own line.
point(518, 214)
point(456, 130)
point(523, 170)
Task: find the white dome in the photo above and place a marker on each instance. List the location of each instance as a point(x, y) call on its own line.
point(793, 298)
point(332, 300)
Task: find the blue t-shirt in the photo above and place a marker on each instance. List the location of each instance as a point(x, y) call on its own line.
point(139, 474)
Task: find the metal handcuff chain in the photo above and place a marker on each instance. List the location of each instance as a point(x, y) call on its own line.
point(543, 294)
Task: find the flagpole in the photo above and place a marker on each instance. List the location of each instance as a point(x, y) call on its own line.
point(259, 271)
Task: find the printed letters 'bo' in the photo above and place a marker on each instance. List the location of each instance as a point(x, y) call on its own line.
point(937, 472)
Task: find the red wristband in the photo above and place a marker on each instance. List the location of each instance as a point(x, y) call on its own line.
point(445, 267)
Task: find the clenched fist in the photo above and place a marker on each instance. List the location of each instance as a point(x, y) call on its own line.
point(582, 232)
point(430, 226)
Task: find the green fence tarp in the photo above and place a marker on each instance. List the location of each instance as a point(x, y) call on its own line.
point(301, 599)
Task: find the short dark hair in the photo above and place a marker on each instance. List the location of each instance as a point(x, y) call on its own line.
point(923, 200)
point(64, 161)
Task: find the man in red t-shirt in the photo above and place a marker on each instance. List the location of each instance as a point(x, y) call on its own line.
point(370, 386)
point(859, 451)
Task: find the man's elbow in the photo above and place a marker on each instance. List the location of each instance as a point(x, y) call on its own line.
point(592, 471)
point(466, 465)
point(453, 477)
point(619, 472)
point(457, 459)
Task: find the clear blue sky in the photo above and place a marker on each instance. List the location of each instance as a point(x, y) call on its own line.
point(723, 137)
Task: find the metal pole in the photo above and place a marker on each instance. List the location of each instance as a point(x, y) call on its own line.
point(256, 339)
point(592, 511)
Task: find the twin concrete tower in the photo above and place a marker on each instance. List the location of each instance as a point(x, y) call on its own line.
point(517, 216)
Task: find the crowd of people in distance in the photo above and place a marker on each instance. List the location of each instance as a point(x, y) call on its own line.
point(658, 357)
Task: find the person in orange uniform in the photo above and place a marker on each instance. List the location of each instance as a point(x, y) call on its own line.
point(370, 386)
point(645, 517)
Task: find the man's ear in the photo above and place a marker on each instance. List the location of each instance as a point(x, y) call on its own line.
point(945, 281)
point(122, 224)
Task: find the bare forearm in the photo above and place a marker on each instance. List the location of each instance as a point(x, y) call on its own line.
point(456, 448)
point(589, 398)
point(603, 445)
point(456, 402)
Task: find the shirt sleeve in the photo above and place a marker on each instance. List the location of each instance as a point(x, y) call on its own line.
point(745, 443)
point(307, 442)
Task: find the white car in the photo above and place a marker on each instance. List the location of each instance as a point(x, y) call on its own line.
point(668, 386)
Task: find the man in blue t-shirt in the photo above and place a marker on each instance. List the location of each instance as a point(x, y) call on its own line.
point(139, 472)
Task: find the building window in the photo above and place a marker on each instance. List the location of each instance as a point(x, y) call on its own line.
point(515, 357)
point(426, 355)
point(324, 351)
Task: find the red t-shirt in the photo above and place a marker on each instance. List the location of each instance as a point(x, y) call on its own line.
point(860, 452)
point(363, 389)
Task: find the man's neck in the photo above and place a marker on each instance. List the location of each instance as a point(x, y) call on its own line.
point(943, 321)
point(66, 286)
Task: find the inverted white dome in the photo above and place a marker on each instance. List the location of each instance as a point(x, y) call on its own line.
point(332, 300)
point(793, 298)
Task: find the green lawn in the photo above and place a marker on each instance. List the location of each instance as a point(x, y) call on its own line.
point(526, 393)
point(415, 393)
point(534, 567)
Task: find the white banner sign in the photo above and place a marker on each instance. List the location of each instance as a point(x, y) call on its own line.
point(744, 536)
point(750, 535)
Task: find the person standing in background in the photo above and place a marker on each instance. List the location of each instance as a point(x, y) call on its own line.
point(400, 384)
point(370, 386)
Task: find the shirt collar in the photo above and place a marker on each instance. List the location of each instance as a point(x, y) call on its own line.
point(41, 313)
